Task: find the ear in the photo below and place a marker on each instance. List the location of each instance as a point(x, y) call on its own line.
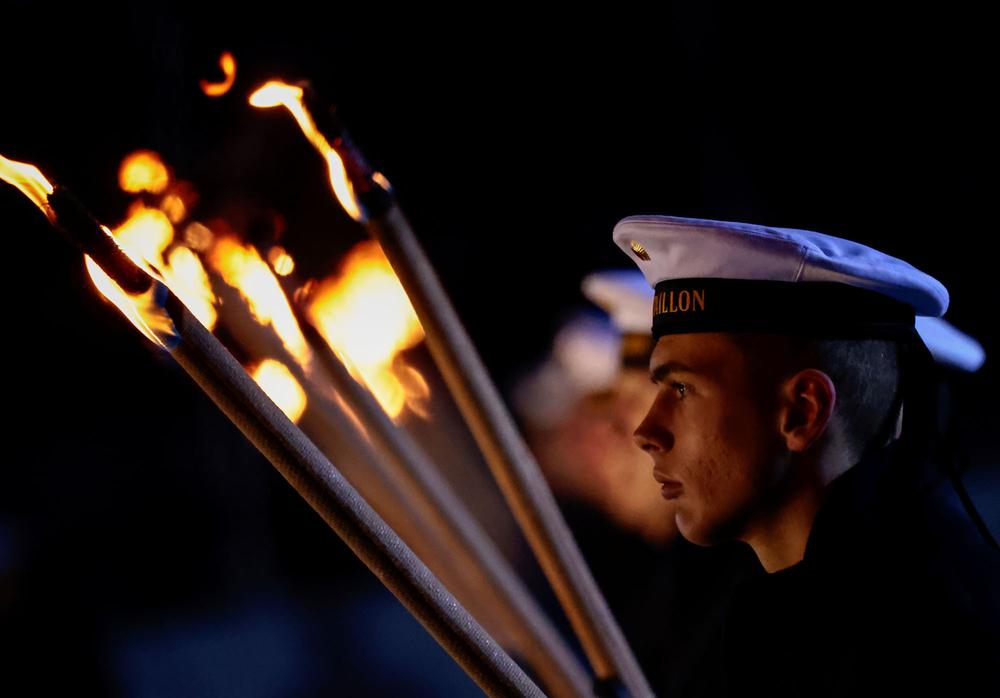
point(806, 403)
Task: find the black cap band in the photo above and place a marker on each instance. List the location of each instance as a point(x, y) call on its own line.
point(819, 309)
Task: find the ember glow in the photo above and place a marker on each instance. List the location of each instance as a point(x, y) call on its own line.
point(280, 385)
point(228, 66)
point(281, 261)
point(143, 171)
point(198, 237)
point(366, 317)
point(242, 268)
point(29, 180)
point(173, 206)
point(279, 94)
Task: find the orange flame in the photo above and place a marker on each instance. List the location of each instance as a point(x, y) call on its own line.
point(141, 243)
point(366, 317)
point(186, 277)
point(243, 268)
point(29, 180)
point(145, 234)
point(216, 89)
point(280, 385)
point(142, 171)
point(275, 93)
point(145, 237)
point(143, 310)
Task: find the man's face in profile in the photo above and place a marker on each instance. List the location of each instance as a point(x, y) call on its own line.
point(712, 435)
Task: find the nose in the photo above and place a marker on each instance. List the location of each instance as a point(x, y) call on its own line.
point(652, 435)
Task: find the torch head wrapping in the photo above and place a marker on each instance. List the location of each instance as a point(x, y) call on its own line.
point(371, 189)
point(77, 223)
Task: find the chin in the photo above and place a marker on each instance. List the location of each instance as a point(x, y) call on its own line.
point(697, 532)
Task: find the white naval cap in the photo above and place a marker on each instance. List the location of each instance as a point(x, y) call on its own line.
point(626, 297)
point(718, 276)
point(585, 358)
point(950, 346)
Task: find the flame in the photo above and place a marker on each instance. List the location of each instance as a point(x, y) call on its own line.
point(142, 171)
point(414, 386)
point(275, 93)
point(186, 277)
point(143, 237)
point(243, 268)
point(145, 234)
point(145, 310)
point(280, 385)
point(29, 180)
point(281, 261)
point(216, 89)
point(366, 317)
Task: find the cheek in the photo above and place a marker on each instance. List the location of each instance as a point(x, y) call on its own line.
point(720, 482)
point(716, 481)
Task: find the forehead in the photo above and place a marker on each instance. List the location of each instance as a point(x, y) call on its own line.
point(713, 353)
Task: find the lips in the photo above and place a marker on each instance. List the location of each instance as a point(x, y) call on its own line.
point(670, 489)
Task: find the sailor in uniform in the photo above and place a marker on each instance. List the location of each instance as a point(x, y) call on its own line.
point(784, 360)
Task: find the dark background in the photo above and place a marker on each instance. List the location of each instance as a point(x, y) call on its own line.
point(145, 548)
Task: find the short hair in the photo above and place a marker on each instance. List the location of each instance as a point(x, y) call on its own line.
point(865, 373)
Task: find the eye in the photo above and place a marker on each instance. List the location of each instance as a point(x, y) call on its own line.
point(681, 388)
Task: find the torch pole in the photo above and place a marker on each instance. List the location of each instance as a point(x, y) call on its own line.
point(490, 575)
point(515, 469)
point(299, 461)
point(518, 475)
point(335, 431)
point(394, 475)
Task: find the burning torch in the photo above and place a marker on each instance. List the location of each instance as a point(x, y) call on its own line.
point(140, 292)
point(367, 197)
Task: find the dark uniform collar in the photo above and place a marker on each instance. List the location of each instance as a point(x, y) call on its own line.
point(846, 506)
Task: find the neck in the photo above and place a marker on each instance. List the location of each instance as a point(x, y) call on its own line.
point(779, 541)
point(780, 534)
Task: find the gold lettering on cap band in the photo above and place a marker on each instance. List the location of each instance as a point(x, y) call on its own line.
point(699, 299)
point(685, 301)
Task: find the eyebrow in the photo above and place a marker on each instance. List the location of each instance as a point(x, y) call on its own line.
point(663, 370)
